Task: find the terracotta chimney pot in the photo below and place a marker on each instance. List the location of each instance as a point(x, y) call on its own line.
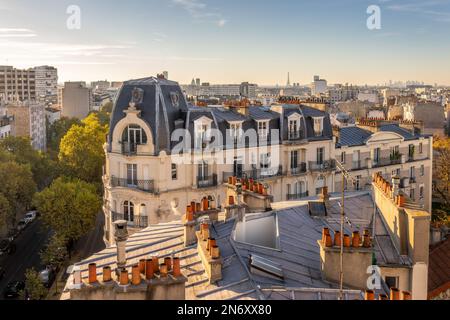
point(230, 180)
point(176, 267)
point(328, 241)
point(142, 266)
point(124, 279)
point(369, 295)
point(383, 297)
point(198, 207)
point(92, 273)
point(193, 206)
point(164, 270)
point(168, 263)
point(136, 275)
point(325, 232)
point(155, 260)
point(231, 201)
point(107, 274)
point(149, 269)
point(395, 294)
point(356, 239)
point(406, 295)
point(347, 241)
point(205, 204)
point(215, 252)
point(337, 238)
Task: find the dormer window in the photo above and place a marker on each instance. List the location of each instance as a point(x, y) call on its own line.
point(236, 131)
point(294, 127)
point(132, 137)
point(318, 126)
point(202, 132)
point(263, 129)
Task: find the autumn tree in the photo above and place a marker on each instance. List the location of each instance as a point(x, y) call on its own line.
point(55, 252)
point(81, 150)
point(34, 288)
point(442, 169)
point(69, 207)
point(56, 131)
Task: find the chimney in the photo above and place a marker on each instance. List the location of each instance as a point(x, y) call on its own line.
point(210, 256)
point(189, 227)
point(121, 237)
point(369, 295)
point(107, 274)
point(395, 294)
point(357, 259)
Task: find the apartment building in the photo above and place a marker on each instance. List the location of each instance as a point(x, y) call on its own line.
point(75, 100)
point(28, 120)
point(391, 150)
point(46, 81)
point(17, 84)
point(289, 148)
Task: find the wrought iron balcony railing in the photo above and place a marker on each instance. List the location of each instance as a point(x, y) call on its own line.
point(297, 196)
point(207, 181)
point(142, 185)
point(133, 220)
point(328, 165)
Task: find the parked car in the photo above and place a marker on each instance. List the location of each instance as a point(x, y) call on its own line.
point(13, 289)
point(47, 277)
point(2, 273)
point(7, 246)
point(30, 217)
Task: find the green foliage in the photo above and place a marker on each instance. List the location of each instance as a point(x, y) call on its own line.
point(69, 207)
point(81, 150)
point(6, 213)
point(55, 133)
point(107, 107)
point(17, 186)
point(442, 169)
point(20, 150)
point(55, 253)
point(34, 288)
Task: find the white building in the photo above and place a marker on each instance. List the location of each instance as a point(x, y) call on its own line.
point(319, 86)
point(46, 81)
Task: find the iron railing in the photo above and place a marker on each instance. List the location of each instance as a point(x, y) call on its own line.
point(255, 174)
point(142, 185)
point(133, 220)
point(207, 181)
point(328, 165)
point(299, 169)
point(382, 162)
point(297, 196)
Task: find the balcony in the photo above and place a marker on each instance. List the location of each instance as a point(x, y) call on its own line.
point(135, 221)
point(129, 149)
point(142, 185)
point(207, 182)
point(255, 174)
point(299, 169)
point(382, 162)
point(297, 196)
point(328, 165)
point(359, 165)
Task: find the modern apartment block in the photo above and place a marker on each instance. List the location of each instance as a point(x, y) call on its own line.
point(392, 150)
point(75, 100)
point(17, 84)
point(46, 81)
point(28, 120)
point(145, 185)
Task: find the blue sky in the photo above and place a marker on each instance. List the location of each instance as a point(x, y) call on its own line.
point(231, 41)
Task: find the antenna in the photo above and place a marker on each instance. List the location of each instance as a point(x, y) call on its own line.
point(345, 176)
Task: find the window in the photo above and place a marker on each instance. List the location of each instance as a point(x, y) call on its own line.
point(318, 126)
point(411, 151)
point(265, 161)
point(174, 171)
point(421, 148)
point(412, 172)
point(376, 155)
point(343, 155)
point(203, 171)
point(236, 131)
point(320, 155)
point(412, 194)
point(422, 170)
point(294, 131)
point(421, 192)
point(358, 183)
point(294, 159)
point(237, 167)
point(263, 129)
point(201, 134)
point(132, 174)
point(391, 282)
point(128, 211)
point(133, 136)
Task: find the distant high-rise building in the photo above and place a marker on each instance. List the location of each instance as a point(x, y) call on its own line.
point(46, 81)
point(289, 80)
point(17, 84)
point(76, 100)
point(102, 85)
point(197, 82)
point(319, 86)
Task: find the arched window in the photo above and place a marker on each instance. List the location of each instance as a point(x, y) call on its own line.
point(128, 211)
point(132, 136)
point(143, 210)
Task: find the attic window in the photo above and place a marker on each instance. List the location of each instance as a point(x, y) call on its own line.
point(175, 99)
point(318, 126)
point(260, 265)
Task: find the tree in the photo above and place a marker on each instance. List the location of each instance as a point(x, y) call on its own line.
point(21, 151)
point(81, 150)
point(69, 207)
point(6, 214)
point(34, 288)
point(442, 169)
point(56, 131)
point(55, 252)
point(107, 107)
point(17, 186)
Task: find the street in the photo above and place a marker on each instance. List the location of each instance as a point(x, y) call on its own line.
point(28, 246)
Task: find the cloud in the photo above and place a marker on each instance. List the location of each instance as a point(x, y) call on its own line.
point(200, 11)
point(428, 8)
point(16, 33)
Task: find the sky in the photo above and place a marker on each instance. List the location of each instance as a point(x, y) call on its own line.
point(231, 41)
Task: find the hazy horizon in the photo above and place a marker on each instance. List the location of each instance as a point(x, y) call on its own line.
point(231, 41)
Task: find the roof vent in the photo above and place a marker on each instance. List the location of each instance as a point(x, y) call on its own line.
point(260, 265)
point(317, 209)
